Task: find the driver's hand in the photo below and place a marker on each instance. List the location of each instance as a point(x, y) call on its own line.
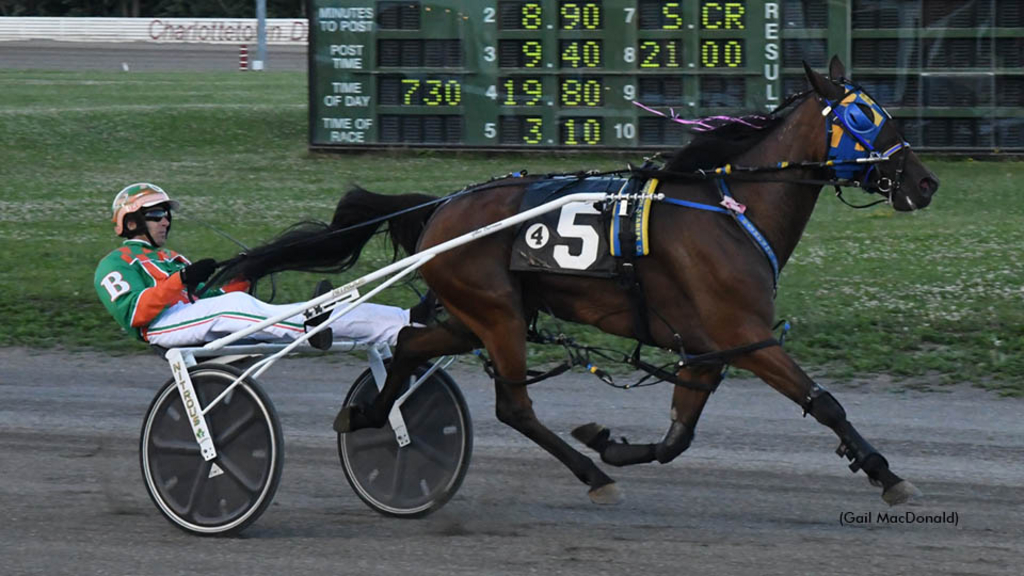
point(198, 272)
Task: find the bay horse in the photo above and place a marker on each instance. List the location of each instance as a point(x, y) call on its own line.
point(711, 287)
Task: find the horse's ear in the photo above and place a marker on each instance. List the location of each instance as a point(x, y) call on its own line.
point(836, 69)
point(822, 85)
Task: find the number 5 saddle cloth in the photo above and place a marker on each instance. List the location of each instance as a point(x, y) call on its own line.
point(586, 239)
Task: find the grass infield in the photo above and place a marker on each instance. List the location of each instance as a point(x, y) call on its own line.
point(933, 297)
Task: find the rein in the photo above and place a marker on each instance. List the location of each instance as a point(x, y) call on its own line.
point(490, 184)
point(846, 147)
point(252, 287)
point(738, 172)
point(495, 182)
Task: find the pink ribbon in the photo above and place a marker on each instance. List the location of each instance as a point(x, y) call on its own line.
point(733, 205)
point(700, 124)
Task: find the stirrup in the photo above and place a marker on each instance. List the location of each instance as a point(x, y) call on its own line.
point(321, 340)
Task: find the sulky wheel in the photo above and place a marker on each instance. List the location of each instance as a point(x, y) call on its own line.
point(228, 493)
point(412, 480)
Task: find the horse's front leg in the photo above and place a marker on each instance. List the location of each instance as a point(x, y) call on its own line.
point(776, 368)
point(687, 405)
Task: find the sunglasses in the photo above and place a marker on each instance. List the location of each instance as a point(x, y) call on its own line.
point(157, 215)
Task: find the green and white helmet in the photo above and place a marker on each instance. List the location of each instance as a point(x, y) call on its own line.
point(135, 197)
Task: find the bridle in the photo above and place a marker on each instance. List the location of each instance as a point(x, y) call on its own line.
point(853, 124)
point(850, 135)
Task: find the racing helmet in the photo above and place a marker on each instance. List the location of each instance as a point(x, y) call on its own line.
point(132, 199)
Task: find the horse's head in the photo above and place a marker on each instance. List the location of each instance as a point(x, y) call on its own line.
point(865, 144)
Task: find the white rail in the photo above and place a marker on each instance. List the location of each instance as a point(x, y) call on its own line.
point(285, 31)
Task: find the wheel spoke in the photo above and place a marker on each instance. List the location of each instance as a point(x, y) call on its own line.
point(224, 437)
point(197, 485)
point(179, 447)
point(234, 471)
point(367, 439)
point(433, 454)
point(424, 411)
point(399, 473)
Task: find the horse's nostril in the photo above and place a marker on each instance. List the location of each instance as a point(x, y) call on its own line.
point(929, 186)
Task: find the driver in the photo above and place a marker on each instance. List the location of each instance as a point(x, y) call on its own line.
point(145, 288)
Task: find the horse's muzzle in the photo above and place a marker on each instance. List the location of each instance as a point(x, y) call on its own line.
point(928, 186)
point(912, 199)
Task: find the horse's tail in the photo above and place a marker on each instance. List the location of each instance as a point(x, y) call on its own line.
point(405, 214)
point(329, 248)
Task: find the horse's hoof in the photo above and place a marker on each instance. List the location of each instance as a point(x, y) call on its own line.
point(901, 493)
point(345, 420)
point(593, 436)
point(607, 494)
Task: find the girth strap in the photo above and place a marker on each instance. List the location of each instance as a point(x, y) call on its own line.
point(628, 279)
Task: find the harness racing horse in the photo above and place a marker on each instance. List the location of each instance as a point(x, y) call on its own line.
point(710, 285)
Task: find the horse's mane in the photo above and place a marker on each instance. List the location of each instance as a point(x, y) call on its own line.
point(718, 139)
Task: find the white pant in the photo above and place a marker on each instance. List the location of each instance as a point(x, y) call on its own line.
point(210, 318)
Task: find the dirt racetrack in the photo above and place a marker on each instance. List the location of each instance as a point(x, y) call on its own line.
point(759, 492)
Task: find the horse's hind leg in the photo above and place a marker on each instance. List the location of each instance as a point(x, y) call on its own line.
point(776, 368)
point(687, 405)
point(415, 346)
point(515, 408)
point(504, 336)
